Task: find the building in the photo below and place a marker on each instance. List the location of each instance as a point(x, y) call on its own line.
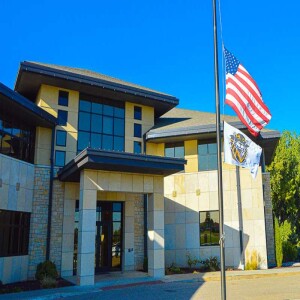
point(98, 174)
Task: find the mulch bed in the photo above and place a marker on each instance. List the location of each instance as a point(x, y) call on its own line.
point(29, 285)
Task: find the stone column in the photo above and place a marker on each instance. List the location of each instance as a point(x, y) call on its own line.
point(86, 230)
point(156, 238)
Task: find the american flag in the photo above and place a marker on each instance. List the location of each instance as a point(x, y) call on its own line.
point(243, 95)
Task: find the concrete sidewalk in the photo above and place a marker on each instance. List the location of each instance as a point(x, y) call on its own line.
point(125, 281)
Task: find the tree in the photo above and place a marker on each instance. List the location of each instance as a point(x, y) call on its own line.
point(285, 180)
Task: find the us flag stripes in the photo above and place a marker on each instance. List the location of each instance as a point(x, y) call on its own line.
point(243, 95)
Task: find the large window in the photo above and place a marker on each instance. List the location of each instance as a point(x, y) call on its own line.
point(207, 157)
point(14, 233)
point(209, 228)
point(174, 150)
point(100, 126)
point(16, 139)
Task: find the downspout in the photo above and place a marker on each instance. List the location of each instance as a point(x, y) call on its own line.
point(50, 196)
point(145, 226)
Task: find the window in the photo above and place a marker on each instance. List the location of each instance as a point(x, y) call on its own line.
point(174, 150)
point(137, 130)
point(137, 113)
point(137, 147)
point(100, 125)
point(62, 116)
point(60, 157)
point(61, 138)
point(209, 228)
point(63, 98)
point(14, 233)
point(207, 157)
point(16, 138)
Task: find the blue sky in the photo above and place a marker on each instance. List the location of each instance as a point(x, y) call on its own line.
point(164, 45)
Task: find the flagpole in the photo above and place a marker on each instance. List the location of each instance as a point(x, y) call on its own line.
point(220, 183)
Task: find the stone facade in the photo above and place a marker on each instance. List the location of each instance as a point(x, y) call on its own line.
point(57, 223)
point(188, 194)
point(16, 193)
point(269, 220)
point(138, 232)
point(39, 218)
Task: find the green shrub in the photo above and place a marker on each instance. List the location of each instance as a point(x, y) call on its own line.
point(278, 243)
point(46, 269)
point(211, 264)
point(191, 261)
point(173, 269)
point(48, 282)
point(290, 251)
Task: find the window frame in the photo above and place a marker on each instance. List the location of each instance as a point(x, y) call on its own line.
point(138, 113)
point(137, 130)
point(174, 146)
point(55, 159)
point(62, 120)
point(9, 230)
point(65, 138)
point(207, 156)
point(112, 138)
point(62, 100)
point(210, 244)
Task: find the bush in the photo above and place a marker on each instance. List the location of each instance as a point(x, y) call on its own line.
point(278, 243)
point(173, 269)
point(46, 269)
point(191, 261)
point(211, 264)
point(253, 261)
point(290, 251)
point(48, 283)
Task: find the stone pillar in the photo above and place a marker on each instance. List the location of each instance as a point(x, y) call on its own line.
point(156, 238)
point(70, 196)
point(86, 231)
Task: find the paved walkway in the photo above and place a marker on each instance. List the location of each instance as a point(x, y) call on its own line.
point(121, 280)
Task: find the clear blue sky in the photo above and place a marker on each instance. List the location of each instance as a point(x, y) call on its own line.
point(160, 44)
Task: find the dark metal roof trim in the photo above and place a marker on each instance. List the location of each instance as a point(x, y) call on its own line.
point(26, 104)
point(120, 162)
point(52, 72)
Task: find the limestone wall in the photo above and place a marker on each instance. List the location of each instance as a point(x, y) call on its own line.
point(187, 194)
point(16, 193)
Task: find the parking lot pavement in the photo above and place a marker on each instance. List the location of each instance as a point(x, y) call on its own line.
point(269, 284)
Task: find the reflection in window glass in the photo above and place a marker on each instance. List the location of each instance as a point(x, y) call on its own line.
point(209, 228)
point(137, 113)
point(207, 157)
point(61, 138)
point(175, 150)
point(14, 233)
point(137, 147)
point(137, 130)
point(63, 98)
point(100, 126)
point(62, 117)
point(60, 157)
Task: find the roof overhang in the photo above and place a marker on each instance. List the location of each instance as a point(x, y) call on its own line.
point(119, 162)
point(32, 75)
point(17, 106)
point(267, 139)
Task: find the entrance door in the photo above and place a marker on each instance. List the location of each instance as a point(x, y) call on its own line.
point(108, 243)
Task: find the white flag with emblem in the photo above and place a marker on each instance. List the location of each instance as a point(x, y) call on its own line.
point(240, 150)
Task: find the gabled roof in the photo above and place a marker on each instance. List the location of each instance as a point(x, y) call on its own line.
point(15, 105)
point(32, 74)
point(183, 124)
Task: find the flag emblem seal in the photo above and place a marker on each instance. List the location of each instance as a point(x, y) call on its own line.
point(239, 147)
